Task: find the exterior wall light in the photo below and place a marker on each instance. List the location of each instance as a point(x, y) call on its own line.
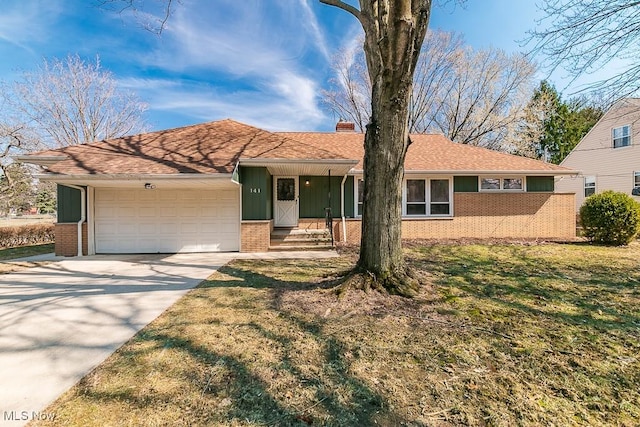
point(307, 183)
point(149, 186)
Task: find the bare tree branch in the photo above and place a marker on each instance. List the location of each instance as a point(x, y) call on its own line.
point(71, 102)
point(154, 23)
point(344, 6)
point(581, 36)
point(472, 97)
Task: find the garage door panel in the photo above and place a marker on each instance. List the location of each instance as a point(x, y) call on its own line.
point(143, 221)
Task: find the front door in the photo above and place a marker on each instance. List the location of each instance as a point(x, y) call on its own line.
point(286, 201)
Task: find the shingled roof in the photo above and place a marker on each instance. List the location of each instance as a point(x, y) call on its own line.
point(216, 148)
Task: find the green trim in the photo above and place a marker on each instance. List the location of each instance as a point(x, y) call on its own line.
point(465, 184)
point(540, 183)
point(69, 204)
point(257, 190)
point(314, 197)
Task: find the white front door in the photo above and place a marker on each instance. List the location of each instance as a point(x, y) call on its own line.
point(285, 190)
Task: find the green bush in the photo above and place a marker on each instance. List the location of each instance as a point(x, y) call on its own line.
point(12, 237)
point(610, 218)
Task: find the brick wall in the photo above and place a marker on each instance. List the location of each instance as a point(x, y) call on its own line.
point(255, 236)
point(67, 239)
point(491, 215)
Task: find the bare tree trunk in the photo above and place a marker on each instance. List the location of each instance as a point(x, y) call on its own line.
point(394, 33)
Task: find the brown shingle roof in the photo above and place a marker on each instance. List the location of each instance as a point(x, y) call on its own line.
point(216, 147)
point(428, 153)
point(206, 148)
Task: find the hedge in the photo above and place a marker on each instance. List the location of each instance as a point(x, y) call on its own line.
point(25, 235)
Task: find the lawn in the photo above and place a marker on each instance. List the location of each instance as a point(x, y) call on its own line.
point(9, 254)
point(503, 334)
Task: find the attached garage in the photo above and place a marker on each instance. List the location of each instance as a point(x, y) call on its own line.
point(131, 220)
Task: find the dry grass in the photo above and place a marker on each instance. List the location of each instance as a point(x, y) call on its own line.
point(26, 220)
point(7, 255)
point(500, 335)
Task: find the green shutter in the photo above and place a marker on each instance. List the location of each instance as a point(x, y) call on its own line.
point(465, 184)
point(540, 183)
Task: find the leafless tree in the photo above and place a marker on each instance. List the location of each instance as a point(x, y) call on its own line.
point(71, 102)
point(394, 31)
point(581, 36)
point(472, 97)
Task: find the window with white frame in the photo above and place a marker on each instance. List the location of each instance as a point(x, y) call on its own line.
point(498, 183)
point(589, 185)
point(621, 136)
point(416, 200)
point(440, 197)
point(427, 197)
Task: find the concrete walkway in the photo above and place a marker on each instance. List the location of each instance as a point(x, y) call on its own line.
point(59, 321)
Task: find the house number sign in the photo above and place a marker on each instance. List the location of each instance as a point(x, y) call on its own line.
point(255, 190)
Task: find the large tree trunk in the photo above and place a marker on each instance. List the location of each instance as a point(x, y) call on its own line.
point(386, 143)
point(394, 33)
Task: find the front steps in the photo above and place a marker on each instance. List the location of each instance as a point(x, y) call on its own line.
point(296, 239)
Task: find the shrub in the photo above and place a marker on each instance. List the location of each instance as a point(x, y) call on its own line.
point(610, 217)
point(11, 237)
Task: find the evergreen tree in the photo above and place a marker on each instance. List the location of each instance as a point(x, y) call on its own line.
point(559, 125)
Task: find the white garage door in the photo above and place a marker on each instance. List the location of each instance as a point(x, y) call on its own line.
point(166, 221)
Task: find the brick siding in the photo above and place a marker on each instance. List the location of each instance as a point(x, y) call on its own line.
point(67, 239)
point(255, 236)
point(490, 215)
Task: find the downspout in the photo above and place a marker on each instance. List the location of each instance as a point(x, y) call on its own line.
point(83, 214)
point(344, 221)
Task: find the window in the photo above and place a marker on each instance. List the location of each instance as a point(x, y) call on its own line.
point(493, 183)
point(425, 197)
point(440, 197)
point(636, 179)
point(621, 136)
point(589, 185)
point(286, 189)
point(360, 196)
point(416, 197)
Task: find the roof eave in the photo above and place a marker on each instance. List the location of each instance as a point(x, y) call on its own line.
point(554, 172)
point(45, 161)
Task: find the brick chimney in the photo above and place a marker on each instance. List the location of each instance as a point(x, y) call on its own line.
point(344, 126)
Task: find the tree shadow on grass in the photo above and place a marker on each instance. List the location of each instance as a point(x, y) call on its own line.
point(526, 283)
point(264, 379)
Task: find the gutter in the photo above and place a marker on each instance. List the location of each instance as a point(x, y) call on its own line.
point(130, 177)
point(344, 220)
point(83, 214)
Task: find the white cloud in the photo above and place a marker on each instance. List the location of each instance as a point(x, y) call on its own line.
point(285, 105)
point(22, 22)
point(258, 47)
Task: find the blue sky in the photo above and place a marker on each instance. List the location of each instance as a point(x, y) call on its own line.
point(262, 62)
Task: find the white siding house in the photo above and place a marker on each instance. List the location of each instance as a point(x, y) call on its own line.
point(608, 157)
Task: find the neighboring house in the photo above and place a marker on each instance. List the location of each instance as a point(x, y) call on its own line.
point(608, 157)
point(225, 186)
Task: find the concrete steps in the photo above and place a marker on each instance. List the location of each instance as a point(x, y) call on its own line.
point(295, 239)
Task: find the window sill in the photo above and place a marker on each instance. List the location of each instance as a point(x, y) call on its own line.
point(426, 217)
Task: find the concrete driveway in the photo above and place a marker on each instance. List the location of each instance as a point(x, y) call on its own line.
point(59, 321)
